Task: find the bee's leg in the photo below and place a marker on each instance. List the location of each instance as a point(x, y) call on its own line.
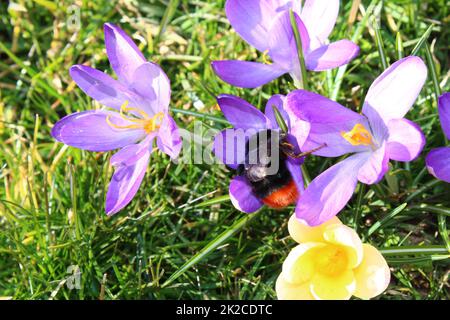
point(287, 147)
point(291, 154)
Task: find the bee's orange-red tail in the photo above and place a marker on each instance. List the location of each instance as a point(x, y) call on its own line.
point(282, 197)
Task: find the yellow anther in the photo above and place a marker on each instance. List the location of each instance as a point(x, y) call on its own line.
point(359, 135)
point(153, 123)
point(266, 57)
point(149, 124)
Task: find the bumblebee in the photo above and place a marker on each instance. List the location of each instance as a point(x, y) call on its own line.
point(266, 170)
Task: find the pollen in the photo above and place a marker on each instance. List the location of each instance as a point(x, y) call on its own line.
point(146, 122)
point(331, 260)
point(359, 135)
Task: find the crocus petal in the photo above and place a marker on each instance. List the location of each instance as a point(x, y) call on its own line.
point(123, 54)
point(241, 114)
point(406, 140)
point(302, 233)
point(438, 163)
point(444, 113)
point(299, 266)
point(378, 127)
point(246, 74)
point(294, 167)
point(251, 20)
point(169, 139)
point(242, 196)
point(329, 192)
point(327, 120)
point(277, 101)
point(372, 275)
point(150, 82)
point(395, 91)
point(103, 88)
point(331, 56)
point(338, 287)
point(125, 183)
point(229, 147)
point(89, 130)
point(346, 237)
point(374, 169)
point(131, 154)
point(288, 291)
point(283, 47)
point(283, 5)
point(319, 17)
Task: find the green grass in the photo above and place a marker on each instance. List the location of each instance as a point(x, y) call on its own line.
point(52, 197)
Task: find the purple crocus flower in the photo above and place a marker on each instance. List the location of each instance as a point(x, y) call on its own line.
point(438, 160)
point(266, 25)
point(378, 134)
point(140, 98)
point(229, 145)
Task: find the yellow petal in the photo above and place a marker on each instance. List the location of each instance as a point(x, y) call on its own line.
point(339, 287)
point(299, 265)
point(301, 232)
point(372, 275)
point(347, 237)
point(288, 291)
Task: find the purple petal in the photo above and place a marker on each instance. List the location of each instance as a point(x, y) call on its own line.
point(125, 182)
point(294, 168)
point(283, 47)
point(395, 91)
point(229, 147)
point(277, 101)
point(438, 163)
point(444, 113)
point(283, 5)
point(169, 139)
point(242, 196)
point(406, 140)
point(123, 54)
point(379, 128)
point(131, 154)
point(103, 88)
point(329, 192)
point(246, 74)
point(251, 20)
point(319, 17)
point(150, 82)
point(241, 114)
point(331, 56)
point(326, 119)
point(89, 130)
point(375, 167)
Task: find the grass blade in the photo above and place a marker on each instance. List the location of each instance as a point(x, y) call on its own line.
point(399, 46)
point(434, 76)
point(380, 46)
point(390, 216)
point(414, 250)
point(214, 201)
point(301, 58)
point(211, 246)
point(422, 40)
point(168, 15)
point(200, 115)
point(355, 38)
